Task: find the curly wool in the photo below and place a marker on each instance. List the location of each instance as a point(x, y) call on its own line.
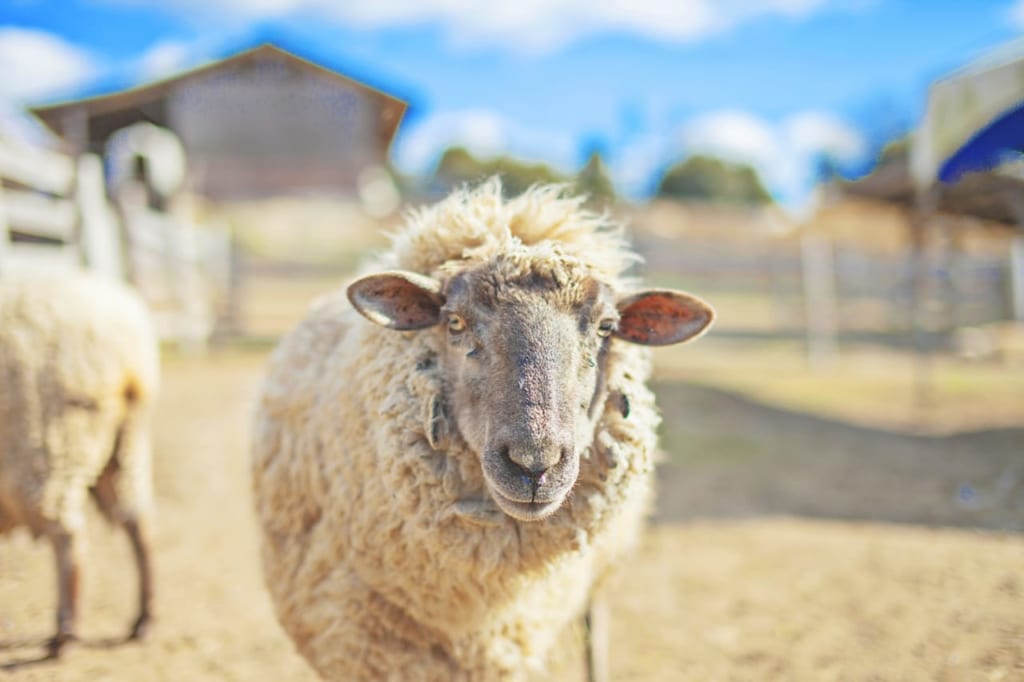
point(78, 357)
point(383, 552)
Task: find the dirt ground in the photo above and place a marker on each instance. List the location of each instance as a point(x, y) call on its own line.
point(729, 584)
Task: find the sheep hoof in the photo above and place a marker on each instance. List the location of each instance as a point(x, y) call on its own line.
point(140, 629)
point(55, 647)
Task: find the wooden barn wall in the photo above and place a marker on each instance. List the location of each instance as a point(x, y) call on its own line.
point(268, 128)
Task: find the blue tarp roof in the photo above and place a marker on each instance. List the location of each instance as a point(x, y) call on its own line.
point(989, 147)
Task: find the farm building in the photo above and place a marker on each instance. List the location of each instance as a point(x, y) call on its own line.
point(961, 179)
point(263, 121)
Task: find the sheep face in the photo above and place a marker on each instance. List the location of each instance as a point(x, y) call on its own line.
point(523, 362)
point(525, 352)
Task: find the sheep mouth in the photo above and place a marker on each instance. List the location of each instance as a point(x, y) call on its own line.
point(534, 510)
point(524, 497)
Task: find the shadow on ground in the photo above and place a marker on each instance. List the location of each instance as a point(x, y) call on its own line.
point(730, 457)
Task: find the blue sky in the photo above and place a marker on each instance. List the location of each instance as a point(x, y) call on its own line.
point(774, 83)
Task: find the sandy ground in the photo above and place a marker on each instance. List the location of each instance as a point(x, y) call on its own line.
point(764, 598)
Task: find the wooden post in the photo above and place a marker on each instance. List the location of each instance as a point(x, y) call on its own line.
point(100, 240)
point(1017, 276)
point(923, 214)
point(74, 126)
point(1016, 203)
point(5, 234)
point(234, 322)
point(130, 202)
point(818, 266)
point(184, 275)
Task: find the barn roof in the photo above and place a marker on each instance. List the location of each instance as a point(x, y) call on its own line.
point(989, 195)
point(53, 114)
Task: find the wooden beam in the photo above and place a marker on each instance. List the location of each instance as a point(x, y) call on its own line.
point(40, 215)
point(38, 168)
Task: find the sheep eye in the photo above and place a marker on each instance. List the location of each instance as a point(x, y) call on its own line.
point(605, 327)
point(456, 324)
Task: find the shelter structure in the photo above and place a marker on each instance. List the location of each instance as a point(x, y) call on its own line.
point(260, 122)
point(962, 172)
point(964, 163)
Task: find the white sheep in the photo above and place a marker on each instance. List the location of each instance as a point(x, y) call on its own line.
point(79, 367)
point(442, 482)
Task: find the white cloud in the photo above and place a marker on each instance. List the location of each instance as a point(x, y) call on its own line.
point(734, 135)
point(420, 144)
point(784, 154)
point(17, 125)
point(1015, 13)
point(522, 25)
point(816, 132)
point(634, 165)
point(36, 64)
point(484, 133)
point(164, 58)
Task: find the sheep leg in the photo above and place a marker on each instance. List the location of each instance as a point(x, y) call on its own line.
point(65, 547)
point(116, 493)
point(140, 548)
point(596, 632)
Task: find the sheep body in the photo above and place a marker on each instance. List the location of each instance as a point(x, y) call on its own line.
point(79, 367)
point(382, 551)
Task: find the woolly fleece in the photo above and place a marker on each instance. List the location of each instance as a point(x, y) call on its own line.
point(383, 552)
point(79, 366)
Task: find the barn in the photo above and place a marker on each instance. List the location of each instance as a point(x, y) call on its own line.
point(260, 122)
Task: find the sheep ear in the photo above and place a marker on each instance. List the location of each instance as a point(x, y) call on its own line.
point(660, 318)
point(398, 300)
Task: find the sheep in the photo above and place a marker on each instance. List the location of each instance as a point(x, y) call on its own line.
point(449, 456)
point(79, 369)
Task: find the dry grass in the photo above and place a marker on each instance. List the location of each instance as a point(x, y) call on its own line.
point(795, 600)
point(868, 386)
point(273, 303)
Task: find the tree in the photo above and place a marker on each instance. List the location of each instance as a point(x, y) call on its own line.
point(457, 166)
point(517, 176)
point(897, 149)
point(593, 181)
point(711, 179)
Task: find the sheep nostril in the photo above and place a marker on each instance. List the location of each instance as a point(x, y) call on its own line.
point(534, 477)
point(530, 475)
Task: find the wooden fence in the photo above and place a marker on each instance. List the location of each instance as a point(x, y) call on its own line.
point(826, 292)
point(56, 212)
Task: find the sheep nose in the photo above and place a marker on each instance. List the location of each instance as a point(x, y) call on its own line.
point(534, 463)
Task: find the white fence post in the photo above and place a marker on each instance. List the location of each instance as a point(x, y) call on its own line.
point(101, 243)
point(1017, 276)
point(818, 263)
point(5, 234)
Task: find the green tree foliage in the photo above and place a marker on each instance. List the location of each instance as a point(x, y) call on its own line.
point(457, 166)
point(711, 179)
point(593, 180)
point(895, 150)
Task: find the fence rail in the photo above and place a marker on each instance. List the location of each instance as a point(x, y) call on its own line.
point(55, 213)
point(787, 289)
